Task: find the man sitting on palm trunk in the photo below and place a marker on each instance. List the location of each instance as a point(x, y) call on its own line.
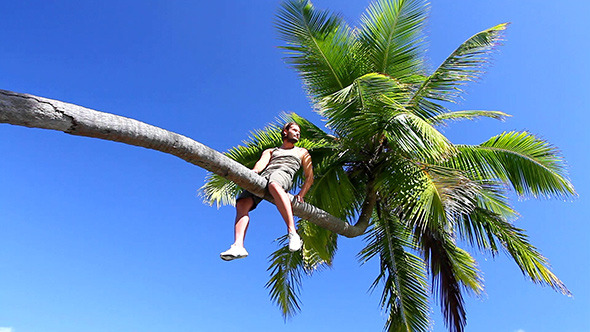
point(278, 166)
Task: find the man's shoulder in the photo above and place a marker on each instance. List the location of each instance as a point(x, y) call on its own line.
point(302, 151)
point(269, 150)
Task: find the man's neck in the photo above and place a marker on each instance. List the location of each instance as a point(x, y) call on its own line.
point(287, 145)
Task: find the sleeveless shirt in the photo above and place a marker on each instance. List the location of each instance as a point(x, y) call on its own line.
point(282, 167)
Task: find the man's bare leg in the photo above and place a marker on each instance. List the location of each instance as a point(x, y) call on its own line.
point(237, 249)
point(284, 205)
point(243, 207)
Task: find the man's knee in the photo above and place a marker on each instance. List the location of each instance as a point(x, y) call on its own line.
point(273, 186)
point(244, 205)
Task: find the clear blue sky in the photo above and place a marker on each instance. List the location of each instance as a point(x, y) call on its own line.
point(101, 236)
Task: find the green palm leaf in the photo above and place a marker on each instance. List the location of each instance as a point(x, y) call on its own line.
point(286, 270)
point(405, 289)
point(452, 269)
point(491, 202)
point(462, 66)
point(392, 39)
point(319, 246)
point(373, 106)
point(466, 115)
point(530, 165)
point(515, 242)
point(417, 138)
point(492, 198)
point(218, 190)
point(362, 103)
point(430, 199)
point(331, 179)
point(319, 45)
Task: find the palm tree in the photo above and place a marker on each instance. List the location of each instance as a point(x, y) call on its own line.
point(382, 159)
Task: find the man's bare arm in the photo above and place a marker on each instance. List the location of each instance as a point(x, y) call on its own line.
point(308, 173)
point(263, 161)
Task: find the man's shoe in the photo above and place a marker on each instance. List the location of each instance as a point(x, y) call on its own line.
point(295, 242)
point(234, 252)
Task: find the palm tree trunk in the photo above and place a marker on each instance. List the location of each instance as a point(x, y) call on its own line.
point(37, 112)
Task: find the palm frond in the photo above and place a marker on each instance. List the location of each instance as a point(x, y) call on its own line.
point(430, 200)
point(530, 165)
point(403, 275)
point(319, 46)
point(457, 193)
point(410, 134)
point(362, 104)
point(466, 115)
point(392, 39)
point(515, 242)
point(453, 269)
point(373, 106)
point(288, 268)
point(218, 190)
point(319, 246)
point(286, 271)
point(464, 65)
point(473, 227)
point(492, 197)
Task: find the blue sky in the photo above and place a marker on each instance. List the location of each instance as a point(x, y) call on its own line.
point(101, 236)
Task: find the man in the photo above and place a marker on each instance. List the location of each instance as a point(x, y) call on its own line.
point(278, 166)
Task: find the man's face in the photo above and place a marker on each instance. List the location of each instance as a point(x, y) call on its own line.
point(293, 134)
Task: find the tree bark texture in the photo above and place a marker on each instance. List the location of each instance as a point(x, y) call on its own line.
point(37, 112)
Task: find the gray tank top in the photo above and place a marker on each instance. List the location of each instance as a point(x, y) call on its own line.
point(282, 166)
point(286, 160)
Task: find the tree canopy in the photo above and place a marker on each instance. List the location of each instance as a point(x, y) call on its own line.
point(382, 158)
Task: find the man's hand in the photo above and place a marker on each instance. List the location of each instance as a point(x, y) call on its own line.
point(299, 198)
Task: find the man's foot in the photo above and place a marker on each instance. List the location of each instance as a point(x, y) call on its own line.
point(295, 242)
point(234, 252)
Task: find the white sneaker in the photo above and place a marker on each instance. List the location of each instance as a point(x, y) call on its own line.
point(234, 252)
point(295, 242)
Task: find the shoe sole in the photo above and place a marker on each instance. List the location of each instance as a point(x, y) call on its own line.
point(228, 258)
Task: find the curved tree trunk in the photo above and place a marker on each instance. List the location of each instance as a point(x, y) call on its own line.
point(37, 112)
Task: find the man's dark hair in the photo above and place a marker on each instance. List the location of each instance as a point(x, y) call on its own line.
point(286, 128)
